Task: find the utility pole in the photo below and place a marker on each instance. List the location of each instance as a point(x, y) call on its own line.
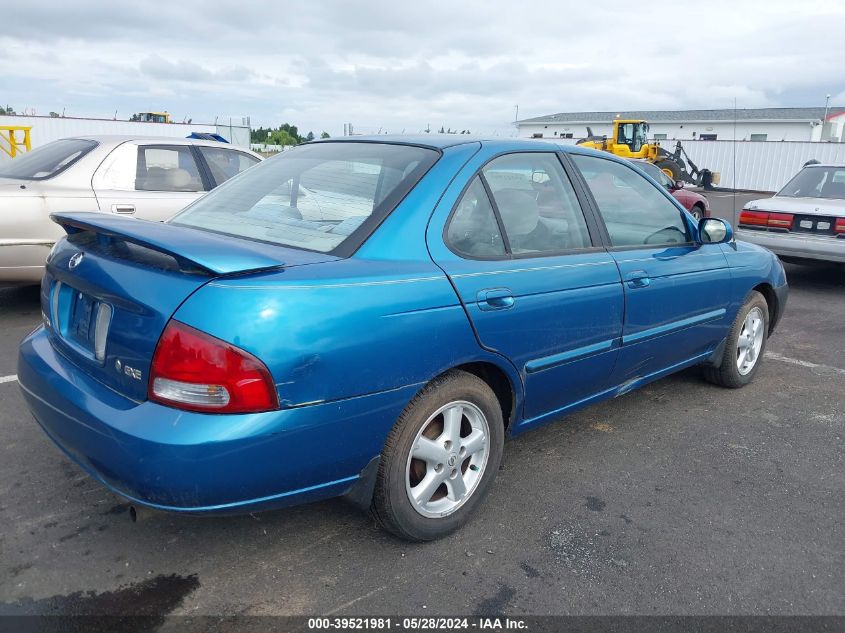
point(826, 107)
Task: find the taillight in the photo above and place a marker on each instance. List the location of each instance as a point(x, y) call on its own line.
point(839, 227)
point(766, 218)
point(781, 220)
point(195, 371)
point(753, 218)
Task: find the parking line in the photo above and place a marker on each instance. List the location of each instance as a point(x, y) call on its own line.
point(804, 363)
point(11, 378)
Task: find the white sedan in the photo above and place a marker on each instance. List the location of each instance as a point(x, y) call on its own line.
point(805, 220)
point(148, 178)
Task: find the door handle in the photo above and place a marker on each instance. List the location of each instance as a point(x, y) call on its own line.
point(637, 279)
point(495, 299)
point(123, 208)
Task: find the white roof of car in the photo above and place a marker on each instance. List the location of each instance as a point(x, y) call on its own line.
point(116, 139)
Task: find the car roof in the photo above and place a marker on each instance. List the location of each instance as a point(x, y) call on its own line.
point(116, 139)
point(440, 141)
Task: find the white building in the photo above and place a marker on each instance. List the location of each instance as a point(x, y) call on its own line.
point(754, 124)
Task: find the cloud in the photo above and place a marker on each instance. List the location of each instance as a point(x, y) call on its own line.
point(399, 66)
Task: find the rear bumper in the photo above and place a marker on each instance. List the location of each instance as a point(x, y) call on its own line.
point(190, 462)
point(822, 248)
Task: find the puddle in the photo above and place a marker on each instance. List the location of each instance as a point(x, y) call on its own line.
point(153, 598)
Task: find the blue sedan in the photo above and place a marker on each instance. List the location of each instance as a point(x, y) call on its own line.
point(370, 317)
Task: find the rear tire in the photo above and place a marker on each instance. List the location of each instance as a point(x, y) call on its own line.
point(440, 458)
point(670, 168)
point(697, 212)
point(744, 346)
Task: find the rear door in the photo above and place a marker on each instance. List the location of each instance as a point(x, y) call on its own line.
point(676, 290)
point(520, 253)
point(149, 181)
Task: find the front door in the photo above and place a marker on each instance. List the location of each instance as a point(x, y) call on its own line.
point(521, 256)
point(676, 290)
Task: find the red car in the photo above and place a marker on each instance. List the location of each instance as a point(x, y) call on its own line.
point(693, 202)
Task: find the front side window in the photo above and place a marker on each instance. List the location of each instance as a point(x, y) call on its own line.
point(167, 168)
point(225, 163)
point(322, 196)
point(49, 160)
point(635, 212)
point(816, 182)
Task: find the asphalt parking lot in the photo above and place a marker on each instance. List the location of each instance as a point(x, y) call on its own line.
point(680, 498)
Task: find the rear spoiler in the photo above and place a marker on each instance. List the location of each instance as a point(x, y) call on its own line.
point(215, 253)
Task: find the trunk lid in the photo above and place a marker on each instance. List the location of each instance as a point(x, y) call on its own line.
point(113, 283)
point(815, 216)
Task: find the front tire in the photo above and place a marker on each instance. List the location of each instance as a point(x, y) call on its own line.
point(745, 345)
point(697, 212)
point(440, 458)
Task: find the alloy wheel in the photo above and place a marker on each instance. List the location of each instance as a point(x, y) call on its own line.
point(750, 341)
point(447, 459)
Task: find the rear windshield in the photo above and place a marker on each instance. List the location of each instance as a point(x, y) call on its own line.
point(816, 182)
point(325, 197)
point(47, 161)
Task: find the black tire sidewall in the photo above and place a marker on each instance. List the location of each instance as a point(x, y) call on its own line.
point(671, 166)
point(449, 388)
point(729, 368)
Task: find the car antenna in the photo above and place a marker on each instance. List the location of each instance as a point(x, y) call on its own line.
point(734, 167)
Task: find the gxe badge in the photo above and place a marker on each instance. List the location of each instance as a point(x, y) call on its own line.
point(127, 370)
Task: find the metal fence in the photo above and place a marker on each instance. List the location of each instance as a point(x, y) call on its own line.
point(758, 166)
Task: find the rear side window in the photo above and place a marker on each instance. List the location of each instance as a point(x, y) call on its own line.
point(167, 168)
point(326, 197)
point(533, 204)
point(225, 163)
point(635, 212)
point(473, 230)
point(536, 203)
point(49, 160)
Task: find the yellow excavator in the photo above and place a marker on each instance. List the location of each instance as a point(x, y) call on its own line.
point(630, 140)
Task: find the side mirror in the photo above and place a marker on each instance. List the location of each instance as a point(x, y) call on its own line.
point(714, 231)
point(679, 184)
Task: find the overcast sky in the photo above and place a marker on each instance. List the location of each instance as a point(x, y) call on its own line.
point(401, 66)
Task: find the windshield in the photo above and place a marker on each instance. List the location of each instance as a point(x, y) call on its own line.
point(47, 161)
point(655, 172)
point(317, 197)
point(816, 182)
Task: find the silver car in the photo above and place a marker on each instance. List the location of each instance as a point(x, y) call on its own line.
point(147, 178)
point(805, 220)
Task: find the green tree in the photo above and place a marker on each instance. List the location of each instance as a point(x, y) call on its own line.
point(281, 137)
point(285, 132)
point(325, 135)
point(310, 136)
